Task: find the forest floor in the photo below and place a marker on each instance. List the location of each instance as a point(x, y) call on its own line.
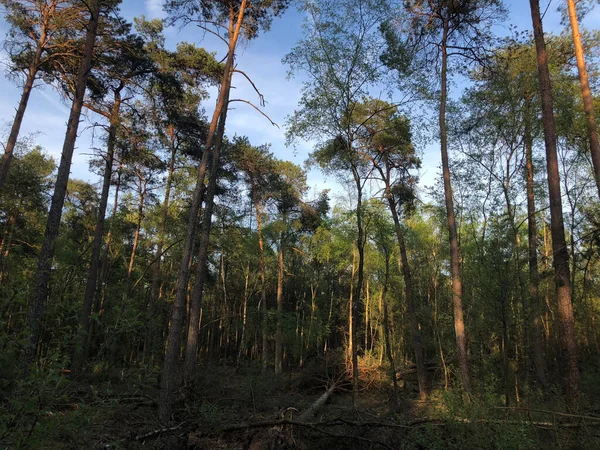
point(244, 410)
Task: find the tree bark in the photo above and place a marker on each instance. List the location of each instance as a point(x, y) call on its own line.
point(170, 364)
point(410, 303)
point(79, 355)
point(191, 350)
point(42, 277)
point(386, 329)
point(534, 278)
point(138, 226)
point(278, 332)
point(559, 248)
point(263, 291)
point(459, 324)
point(356, 304)
point(586, 93)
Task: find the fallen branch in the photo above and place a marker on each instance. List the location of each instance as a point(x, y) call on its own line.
point(545, 411)
point(160, 431)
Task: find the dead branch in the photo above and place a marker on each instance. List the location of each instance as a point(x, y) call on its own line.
point(256, 108)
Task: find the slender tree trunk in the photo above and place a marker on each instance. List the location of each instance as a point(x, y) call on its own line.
point(42, 277)
point(279, 333)
point(356, 305)
point(27, 88)
point(191, 350)
point(410, 303)
point(586, 93)
point(263, 279)
point(459, 324)
point(244, 317)
point(534, 278)
point(170, 364)
point(79, 355)
point(157, 279)
point(138, 226)
point(386, 329)
point(559, 248)
point(156, 276)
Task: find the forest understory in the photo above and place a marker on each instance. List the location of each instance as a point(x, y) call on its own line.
point(308, 408)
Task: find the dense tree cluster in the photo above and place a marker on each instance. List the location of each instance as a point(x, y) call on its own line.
point(199, 248)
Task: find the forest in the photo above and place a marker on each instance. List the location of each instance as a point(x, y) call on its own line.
point(198, 290)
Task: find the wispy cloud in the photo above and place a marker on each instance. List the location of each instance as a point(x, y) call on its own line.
point(155, 9)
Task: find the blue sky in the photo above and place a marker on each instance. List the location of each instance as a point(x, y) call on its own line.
point(46, 115)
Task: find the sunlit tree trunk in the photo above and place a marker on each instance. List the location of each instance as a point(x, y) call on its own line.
point(459, 324)
point(586, 93)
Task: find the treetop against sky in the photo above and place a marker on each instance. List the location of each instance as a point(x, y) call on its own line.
point(261, 60)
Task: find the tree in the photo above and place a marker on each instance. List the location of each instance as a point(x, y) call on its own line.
point(39, 36)
point(559, 248)
point(438, 30)
point(340, 56)
point(256, 165)
point(232, 19)
point(42, 277)
point(386, 142)
point(123, 64)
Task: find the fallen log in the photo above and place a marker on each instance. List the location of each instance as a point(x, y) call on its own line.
point(310, 412)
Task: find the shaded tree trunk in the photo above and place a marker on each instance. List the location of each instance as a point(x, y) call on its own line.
point(534, 313)
point(356, 304)
point(263, 291)
point(170, 364)
point(559, 248)
point(42, 277)
point(410, 303)
point(79, 355)
point(278, 332)
point(191, 350)
point(386, 329)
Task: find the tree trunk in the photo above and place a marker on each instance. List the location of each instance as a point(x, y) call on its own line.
point(79, 355)
point(356, 304)
point(156, 276)
point(559, 249)
point(386, 329)
point(263, 292)
point(279, 333)
point(170, 364)
point(42, 277)
point(20, 113)
point(410, 303)
point(244, 318)
point(534, 278)
point(459, 324)
point(138, 226)
point(191, 350)
point(586, 93)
